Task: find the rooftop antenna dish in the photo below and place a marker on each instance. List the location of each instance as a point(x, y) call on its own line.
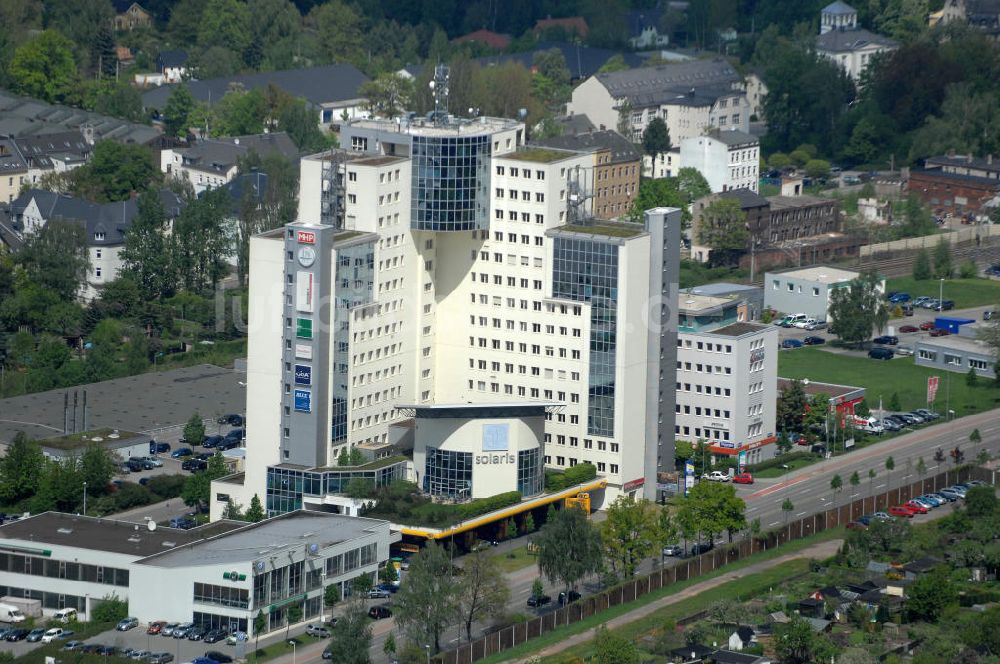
point(151, 525)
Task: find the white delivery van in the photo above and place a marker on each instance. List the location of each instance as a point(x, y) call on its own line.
point(65, 615)
point(11, 614)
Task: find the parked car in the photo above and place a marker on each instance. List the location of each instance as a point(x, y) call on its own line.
point(235, 434)
point(380, 612)
point(889, 425)
point(168, 629)
point(716, 476)
point(857, 525)
point(917, 417)
point(107, 650)
point(378, 593)
point(149, 463)
point(935, 501)
point(880, 354)
point(236, 636)
point(161, 658)
point(950, 495)
point(318, 631)
point(156, 627)
point(51, 635)
point(917, 507)
point(901, 511)
point(908, 418)
point(920, 301)
point(939, 332)
point(182, 630)
point(126, 624)
point(886, 340)
point(140, 655)
point(197, 633)
point(181, 452)
point(17, 634)
point(928, 415)
point(211, 441)
point(929, 303)
point(158, 448)
point(814, 341)
point(899, 298)
point(945, 305)
point(927, 326)
point(816, 325)
point(700, 548)
point(881, 516)
point(941, 496)
point(220, 657)
point(327, 653)
point(536, 601)
point(214, 635)
point(194, 465)
point(70, 646)
point(232, 419)
point(35, 635)
point(184, 523)
point(673, 551)
point(567, 597)
point(743, 478)
point(388, 587)
point(804, 324)
point(791, 343)
point(906, 329)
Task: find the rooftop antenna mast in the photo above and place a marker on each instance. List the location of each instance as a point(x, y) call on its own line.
point(439, 88)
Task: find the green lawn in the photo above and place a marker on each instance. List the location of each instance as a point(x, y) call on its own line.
point(965, 292)
point(882, 379)
point(742, 587)
point(778, 471)
point(516, 559)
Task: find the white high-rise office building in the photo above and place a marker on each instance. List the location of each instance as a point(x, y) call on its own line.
point(443, 262)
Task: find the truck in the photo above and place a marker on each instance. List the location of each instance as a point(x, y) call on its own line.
point(11, 614)
point(867, 424)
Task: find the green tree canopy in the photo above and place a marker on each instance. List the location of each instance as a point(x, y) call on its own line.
point(194, 430)
point(795, 643)
point(569, 547)
point(858, 308)
point(483, 592)
point(428, 602)
point(351, 637)
point(388, 94)
point(630, 533)
point(44, 67)
point(723, 228)
point(922, 266)
point(177, 111)
point(930, 595)
point(791, 406)
point(942, 260)
point(20, 469)
point(610, 648)
point(656, 138)
point(145, 256)
point(56, 258)
point(711, 508)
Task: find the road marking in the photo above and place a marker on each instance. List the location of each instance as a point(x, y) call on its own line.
point(800, 514)
point(855, 495)
point(773, 524)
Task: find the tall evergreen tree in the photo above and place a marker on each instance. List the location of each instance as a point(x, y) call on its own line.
point(145, 257)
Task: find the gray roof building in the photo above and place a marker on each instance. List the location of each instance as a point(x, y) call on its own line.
point(647, 86)
point(105, 223)
point(219, 155)
point(317, 85)
point(845, 41)
point(43, 150)
point(11, 159)
point(25, 116)
point(622, 150)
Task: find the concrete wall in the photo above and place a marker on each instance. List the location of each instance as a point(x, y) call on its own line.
point(930, 241)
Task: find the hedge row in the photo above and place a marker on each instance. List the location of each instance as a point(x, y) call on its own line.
point(578, 474)
point(781, 460)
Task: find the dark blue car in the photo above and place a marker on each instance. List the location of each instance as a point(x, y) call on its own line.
point(791, 343)
point(899, 298)
point(181, 452)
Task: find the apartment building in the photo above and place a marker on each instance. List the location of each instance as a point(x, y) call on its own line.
point(690, 97)
point(726, 378)
point(444, 262)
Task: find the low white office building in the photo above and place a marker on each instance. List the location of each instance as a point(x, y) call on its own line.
point(806, 290)
point(219, 575)
point(727, 376)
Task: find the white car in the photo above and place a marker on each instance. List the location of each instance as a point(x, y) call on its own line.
point(52, 634)
point(804, 324)
point(716, 476)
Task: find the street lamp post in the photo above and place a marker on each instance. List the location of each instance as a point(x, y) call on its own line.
point(292, 644)
point(427, 649)
point(85, 499)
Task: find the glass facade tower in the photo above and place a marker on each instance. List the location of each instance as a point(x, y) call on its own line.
point(451, 182)
point(586, 270)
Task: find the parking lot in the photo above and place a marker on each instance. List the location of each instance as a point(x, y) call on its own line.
point(907, 340)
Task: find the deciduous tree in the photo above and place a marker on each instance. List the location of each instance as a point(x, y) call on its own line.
point(922, 266)
point(427, 603)
point(942, 260)
point(484, 592)
point(630, 533)
point(610, 648)
point(723, 228)
point(44, 67)
point(656, 138)
point(791, 406)
point(930, 595)
point(569, 547)
point(857, 308)
point(20, 469)
point(795, 643)
point(388, 94)
point(351, 637)
point(194, 430)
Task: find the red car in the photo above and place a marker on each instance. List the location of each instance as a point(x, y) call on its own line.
point(927, 325)
point(908, 328)
point(156, 627)
point(901, 510)
point(938, 332)
point(856, 525)
point(916, 507)
point(743, 478)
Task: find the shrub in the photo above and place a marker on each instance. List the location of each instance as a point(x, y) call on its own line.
point(778, 461)
point(968, 270)
point(578, 474)
point(110, 609)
